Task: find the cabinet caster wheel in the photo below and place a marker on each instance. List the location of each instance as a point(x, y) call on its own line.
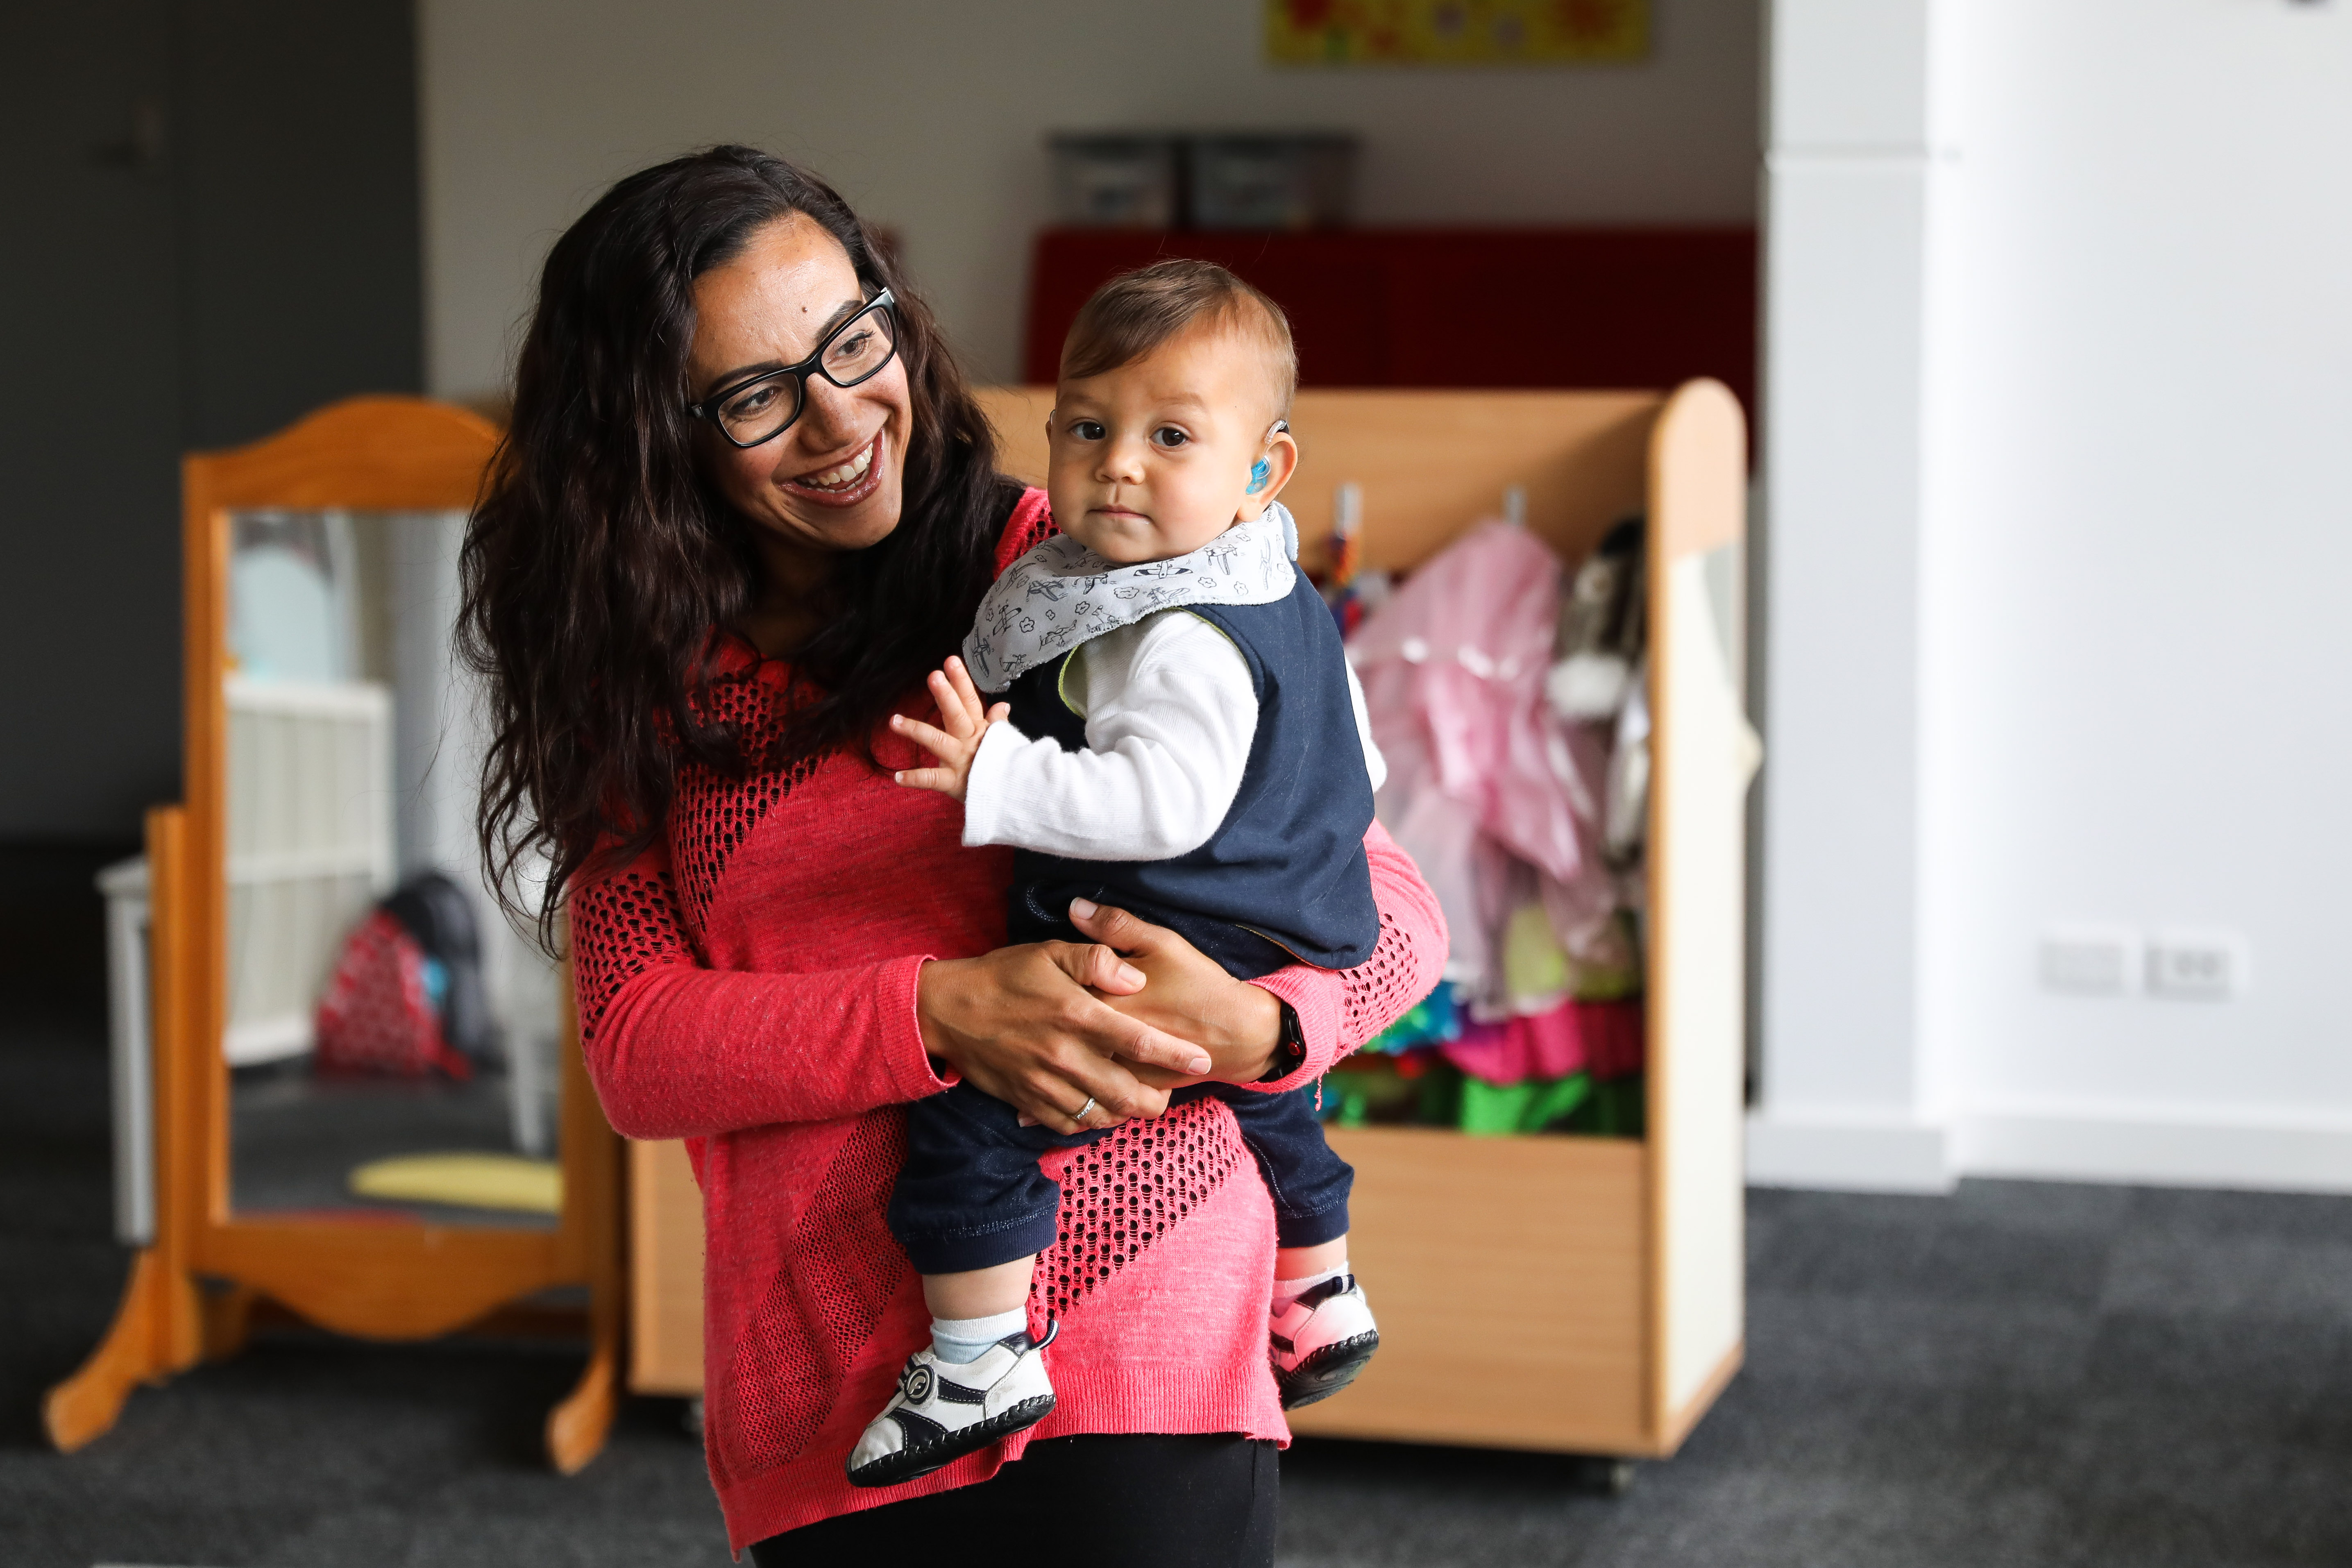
point(1604, 1477)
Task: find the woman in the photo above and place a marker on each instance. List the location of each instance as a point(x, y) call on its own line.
point(746, 504)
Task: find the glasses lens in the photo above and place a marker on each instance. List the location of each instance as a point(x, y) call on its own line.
point(863, 346)
point(761, 409)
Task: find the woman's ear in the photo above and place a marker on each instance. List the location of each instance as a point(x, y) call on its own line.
point(1272, 471)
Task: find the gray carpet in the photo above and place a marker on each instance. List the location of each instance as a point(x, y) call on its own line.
point(2018, 1374)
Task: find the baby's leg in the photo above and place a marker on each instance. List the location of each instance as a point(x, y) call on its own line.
point(1306, 1262)
point(972, 1211)
point(1320, 1329)
point(973, 1309)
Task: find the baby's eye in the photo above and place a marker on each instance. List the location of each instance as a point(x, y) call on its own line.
point(1088, 430)
point(1168, 438)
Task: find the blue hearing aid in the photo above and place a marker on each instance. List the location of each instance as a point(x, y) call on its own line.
point(1263, 468)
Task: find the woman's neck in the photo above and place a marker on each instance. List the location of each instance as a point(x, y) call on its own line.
point(792, 605)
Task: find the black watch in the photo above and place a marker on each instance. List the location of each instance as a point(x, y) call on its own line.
point(1292, 1048)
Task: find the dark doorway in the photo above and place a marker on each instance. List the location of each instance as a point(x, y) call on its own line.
point(213, 226)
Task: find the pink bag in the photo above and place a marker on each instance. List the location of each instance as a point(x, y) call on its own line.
point(377, 1016)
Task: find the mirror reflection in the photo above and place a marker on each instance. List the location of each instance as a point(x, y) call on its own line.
point(392, 1043)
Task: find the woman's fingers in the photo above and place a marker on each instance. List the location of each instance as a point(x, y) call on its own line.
point(1239, 1025)
point(1019, 1024)
point(1095, 966)
point(1134, 1040)
point(1078, 1074)
point(1117, 928)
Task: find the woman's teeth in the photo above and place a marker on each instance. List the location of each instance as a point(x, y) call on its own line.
point(842, 475)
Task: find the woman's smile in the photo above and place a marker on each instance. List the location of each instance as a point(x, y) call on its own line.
point(846, 482)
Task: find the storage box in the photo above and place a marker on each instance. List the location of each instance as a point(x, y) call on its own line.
point(1270, 180)
point(1126, 180)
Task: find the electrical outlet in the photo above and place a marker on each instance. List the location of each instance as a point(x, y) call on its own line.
point(2194, 965)
point(2089, 960)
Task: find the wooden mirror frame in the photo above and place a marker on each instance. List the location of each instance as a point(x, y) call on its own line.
point(396, 1281)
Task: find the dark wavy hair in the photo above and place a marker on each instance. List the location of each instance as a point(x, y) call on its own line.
point(601, 569)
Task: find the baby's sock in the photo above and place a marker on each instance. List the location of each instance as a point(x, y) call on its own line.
point(1285, 1291)
point(959, 1341)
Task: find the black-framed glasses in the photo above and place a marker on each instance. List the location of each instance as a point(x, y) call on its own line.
point(763, 406)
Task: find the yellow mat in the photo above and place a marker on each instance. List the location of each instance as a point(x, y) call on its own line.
point(467, 1181)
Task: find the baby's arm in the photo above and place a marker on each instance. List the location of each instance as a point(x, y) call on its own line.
point(1171, 712)
point(968, 722)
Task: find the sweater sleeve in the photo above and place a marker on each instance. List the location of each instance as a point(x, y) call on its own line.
point(679, 1050)
point(1339, 1009)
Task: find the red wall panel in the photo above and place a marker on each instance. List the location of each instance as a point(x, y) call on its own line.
point(1469, 308)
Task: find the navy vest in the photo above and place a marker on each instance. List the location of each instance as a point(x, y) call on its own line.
point(1284, 879)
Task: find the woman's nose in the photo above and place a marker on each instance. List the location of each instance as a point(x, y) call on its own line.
point(828, 415)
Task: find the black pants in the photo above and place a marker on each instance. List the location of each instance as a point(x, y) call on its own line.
point(1070, 1502)
point(970, 1194)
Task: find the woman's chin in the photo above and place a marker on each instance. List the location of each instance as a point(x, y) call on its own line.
point(839, 525)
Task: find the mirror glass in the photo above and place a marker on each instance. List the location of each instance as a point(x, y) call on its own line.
point(391, 1041)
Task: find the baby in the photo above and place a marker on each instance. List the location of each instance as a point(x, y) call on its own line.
point(1182, 739)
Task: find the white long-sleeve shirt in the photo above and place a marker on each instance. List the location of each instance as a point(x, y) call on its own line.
point(1171, 713)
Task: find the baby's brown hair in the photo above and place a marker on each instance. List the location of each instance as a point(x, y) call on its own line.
point(1137, 312)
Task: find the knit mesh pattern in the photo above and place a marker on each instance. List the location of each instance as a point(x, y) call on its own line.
point(1122, 1193)
point(1378, 990)
point(710, 814)
point(621, 927)
point(838, 1273)
point(1031, 525)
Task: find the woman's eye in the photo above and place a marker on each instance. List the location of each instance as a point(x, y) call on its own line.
point(853, 346)
point(1168, 438)
point(1087, 430)
point(751, 402)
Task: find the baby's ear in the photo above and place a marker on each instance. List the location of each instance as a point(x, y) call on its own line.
point(1271, 472)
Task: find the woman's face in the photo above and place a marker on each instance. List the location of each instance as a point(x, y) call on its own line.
point(831, 481)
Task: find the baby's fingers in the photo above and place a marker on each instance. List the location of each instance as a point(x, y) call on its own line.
point(946, 780)
point(966, 693)
point(962, 721)
point(941, 745)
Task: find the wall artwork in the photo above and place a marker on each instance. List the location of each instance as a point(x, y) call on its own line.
point(1455, 32)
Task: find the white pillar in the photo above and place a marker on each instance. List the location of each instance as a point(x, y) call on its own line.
point(1848, 1094)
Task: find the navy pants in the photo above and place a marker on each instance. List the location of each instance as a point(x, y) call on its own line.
point(970, 1194)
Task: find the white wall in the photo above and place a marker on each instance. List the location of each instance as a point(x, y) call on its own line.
point(2080, 271)
point(930, 116)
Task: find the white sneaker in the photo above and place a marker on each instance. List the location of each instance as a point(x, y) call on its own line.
point(942, 1412)
point(1321, 1341)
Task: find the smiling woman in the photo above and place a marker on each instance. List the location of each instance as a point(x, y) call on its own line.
point(745, 505)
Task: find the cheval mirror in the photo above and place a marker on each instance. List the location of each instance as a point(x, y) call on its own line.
point(351, 1097)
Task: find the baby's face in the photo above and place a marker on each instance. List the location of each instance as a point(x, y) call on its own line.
point(1152, 460)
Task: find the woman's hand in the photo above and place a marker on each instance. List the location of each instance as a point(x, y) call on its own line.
point(1188, 994)
point(1026, 1024)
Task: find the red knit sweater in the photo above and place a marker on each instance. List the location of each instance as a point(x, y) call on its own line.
point(749, 986)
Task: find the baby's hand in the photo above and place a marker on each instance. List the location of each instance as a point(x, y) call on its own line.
point(967, 721)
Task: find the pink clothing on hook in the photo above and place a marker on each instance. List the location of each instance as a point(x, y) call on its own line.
point(1453, 669)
